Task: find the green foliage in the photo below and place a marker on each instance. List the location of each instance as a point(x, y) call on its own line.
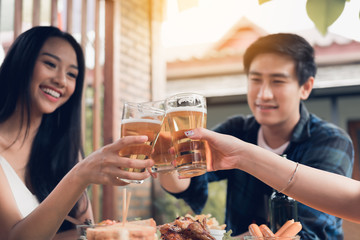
point(216, 202)
point(88, 143)
point(89, 117)
point(227, 235)
point(324, 12)
point(169, 207)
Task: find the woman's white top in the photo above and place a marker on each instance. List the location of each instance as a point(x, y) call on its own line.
point(25, 200)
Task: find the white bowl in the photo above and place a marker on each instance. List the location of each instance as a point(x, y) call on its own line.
point(217, 234)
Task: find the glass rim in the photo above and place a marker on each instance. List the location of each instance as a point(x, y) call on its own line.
point(175, 98)
point(142, 106)
point(153, 101)
point(184, 94)
point(152, 104)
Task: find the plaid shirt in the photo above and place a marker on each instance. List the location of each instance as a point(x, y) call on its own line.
point(314, 142)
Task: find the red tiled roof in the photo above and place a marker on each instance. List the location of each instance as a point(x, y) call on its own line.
point(329, 49)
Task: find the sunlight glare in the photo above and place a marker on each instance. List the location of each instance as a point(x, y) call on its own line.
point(211, 19)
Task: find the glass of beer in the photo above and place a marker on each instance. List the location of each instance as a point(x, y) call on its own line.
point(140, 119)
point(185, 112)
point(162, 154)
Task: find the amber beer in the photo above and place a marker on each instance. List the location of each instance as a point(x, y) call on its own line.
point(190, 154)
point(135, 127)
point(162, 154)
point(140, 119)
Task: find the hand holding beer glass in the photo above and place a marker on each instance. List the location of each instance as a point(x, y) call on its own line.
point(185, 112)
point(138, 119)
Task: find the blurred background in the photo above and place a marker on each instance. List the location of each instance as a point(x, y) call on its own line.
point(141, 50)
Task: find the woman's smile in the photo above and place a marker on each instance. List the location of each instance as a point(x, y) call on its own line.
point(52, 94)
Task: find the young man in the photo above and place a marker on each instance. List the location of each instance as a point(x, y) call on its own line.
point(281, 71)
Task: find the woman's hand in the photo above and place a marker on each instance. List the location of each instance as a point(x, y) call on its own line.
point(224, 150)
point(104, 165)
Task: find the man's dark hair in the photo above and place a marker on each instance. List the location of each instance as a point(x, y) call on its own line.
point(287, 44)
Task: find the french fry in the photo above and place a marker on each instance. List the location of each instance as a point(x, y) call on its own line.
point(255, 230)
point(284, 227)
point(265, 230)
point(292, 230)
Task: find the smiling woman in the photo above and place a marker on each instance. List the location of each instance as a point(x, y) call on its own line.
point(54, 76)
point(41, 82)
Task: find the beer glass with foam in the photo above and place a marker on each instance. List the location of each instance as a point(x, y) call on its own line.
point(184, 112)
point(162, 154)
point(139, 119)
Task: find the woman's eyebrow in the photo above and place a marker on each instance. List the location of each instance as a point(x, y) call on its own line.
point(51, 55)
point(58, 59)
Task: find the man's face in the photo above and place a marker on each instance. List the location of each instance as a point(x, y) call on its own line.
point(274, 93)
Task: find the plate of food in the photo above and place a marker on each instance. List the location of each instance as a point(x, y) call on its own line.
point(202, 227)
point(114, 230)
point(198, 227)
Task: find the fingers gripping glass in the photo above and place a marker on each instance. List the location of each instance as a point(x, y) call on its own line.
point(140, 119)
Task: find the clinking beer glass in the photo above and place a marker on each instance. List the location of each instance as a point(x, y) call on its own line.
point(185, 112)
point(140, 119)
point(162, 155)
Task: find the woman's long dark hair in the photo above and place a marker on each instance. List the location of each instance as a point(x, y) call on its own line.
point(57, 145)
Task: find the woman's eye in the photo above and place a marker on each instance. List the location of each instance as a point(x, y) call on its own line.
point(50, 64)
point(72, 75)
